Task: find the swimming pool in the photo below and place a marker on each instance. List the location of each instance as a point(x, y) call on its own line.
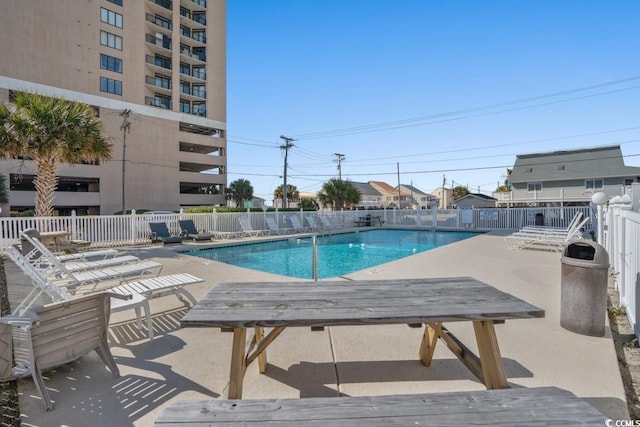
point(338, 254)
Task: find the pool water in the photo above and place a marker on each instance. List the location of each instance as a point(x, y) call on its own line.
point(338, 254)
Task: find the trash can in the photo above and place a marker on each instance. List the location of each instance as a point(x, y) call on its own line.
point(583, 300)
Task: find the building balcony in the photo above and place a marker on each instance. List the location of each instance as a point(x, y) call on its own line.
point(159, 64)
point(557, 195)
point(164, 4)
point(159, 102)
point(160, 84)
point(198, 5)
point(160, 22)
point(161, 45)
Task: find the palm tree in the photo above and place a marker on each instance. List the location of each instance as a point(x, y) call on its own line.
point(50, 131)
point(337, 193)
point(292, 193)
point(239, 190)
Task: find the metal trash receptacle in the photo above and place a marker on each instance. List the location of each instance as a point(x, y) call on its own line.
point(583, 300)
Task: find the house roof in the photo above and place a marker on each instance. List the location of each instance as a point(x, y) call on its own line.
point(599, 162)
point(386, 188)
point(365, 189)
point(414, 190)
point(475, 196)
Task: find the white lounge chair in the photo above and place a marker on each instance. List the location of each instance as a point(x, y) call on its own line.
point(247, 228)
point(545, 239)
point(297, 225)
point(273, 226)
point(313, 223)
point(80, 273)
point(58, 333)
point(140, 290)
point(536, 228)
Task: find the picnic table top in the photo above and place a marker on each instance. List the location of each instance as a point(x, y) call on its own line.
point(362, 302)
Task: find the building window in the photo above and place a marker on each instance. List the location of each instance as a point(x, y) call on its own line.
point(110, 17)
point(199, 17)
point(111, 40)
point(162, 61)
point(118, 2)
point(185, 31)
point(534, 186)
point(163, 22)
point(200, 109)
point(199, 72)
point(158, 100)
point(200, 52)
point(185, 87)
point(199, 35)
point(593, 184)
point(110, 63)
point(185, 69)
point(185, 106)
point(199, 90)
point(110, 86)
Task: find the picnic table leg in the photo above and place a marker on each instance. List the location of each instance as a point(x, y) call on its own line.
point(262, 358)
point(489, 352)
point(238, 363)
point(428, 345)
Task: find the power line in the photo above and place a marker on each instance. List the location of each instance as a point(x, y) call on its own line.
point(411, 121)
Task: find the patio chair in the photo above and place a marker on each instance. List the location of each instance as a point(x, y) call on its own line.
point(273, 226)
point(190, 231)
point(140, 290)
point(42, 258)
point(313, 223)
point(58, 333)
point(160, 233)
point(545, 239)
point(297, 225)
point(247, 228)
point(27, 246)
point(574, 221)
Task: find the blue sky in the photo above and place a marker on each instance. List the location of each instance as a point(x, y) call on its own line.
point(432, 88)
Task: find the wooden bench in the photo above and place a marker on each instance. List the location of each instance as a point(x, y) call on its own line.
point(549, 406)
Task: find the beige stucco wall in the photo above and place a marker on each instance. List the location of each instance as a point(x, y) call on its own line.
point(53, 48)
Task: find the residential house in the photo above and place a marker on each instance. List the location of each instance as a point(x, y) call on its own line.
point(370, 198)
point(391, 196)
point(475, 200)
point(568, 177)
point(444, 196)
point(418, 198)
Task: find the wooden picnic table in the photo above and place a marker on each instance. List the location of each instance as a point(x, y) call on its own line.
point(58, 241)
point(237, 306)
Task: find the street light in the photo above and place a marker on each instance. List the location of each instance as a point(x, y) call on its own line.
point(599, 199)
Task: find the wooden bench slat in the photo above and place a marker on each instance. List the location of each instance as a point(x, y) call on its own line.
point(549, 406)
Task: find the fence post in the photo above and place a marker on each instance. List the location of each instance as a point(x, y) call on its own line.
point(74, 226)
point(133, 226)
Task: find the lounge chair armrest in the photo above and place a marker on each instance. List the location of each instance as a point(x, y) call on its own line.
point(21, 321)
point(119, 296)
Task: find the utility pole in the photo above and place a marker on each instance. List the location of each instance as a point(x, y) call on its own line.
point(125, 127)
point(339, 159)
point(399, 197)
point(287, 144)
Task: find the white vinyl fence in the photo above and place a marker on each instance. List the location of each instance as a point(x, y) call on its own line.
point(622, 241)
point(119, 230)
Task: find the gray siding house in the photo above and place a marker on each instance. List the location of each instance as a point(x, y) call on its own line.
point(568, 178)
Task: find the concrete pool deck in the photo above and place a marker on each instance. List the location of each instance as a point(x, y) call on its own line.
point(193, 363)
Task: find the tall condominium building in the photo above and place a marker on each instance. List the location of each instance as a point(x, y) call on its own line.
point(155, 73)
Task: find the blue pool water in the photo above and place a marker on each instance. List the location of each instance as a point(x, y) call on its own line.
point(338, 254)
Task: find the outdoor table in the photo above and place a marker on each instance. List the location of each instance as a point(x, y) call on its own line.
point(55, 239)
point(236, 306)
